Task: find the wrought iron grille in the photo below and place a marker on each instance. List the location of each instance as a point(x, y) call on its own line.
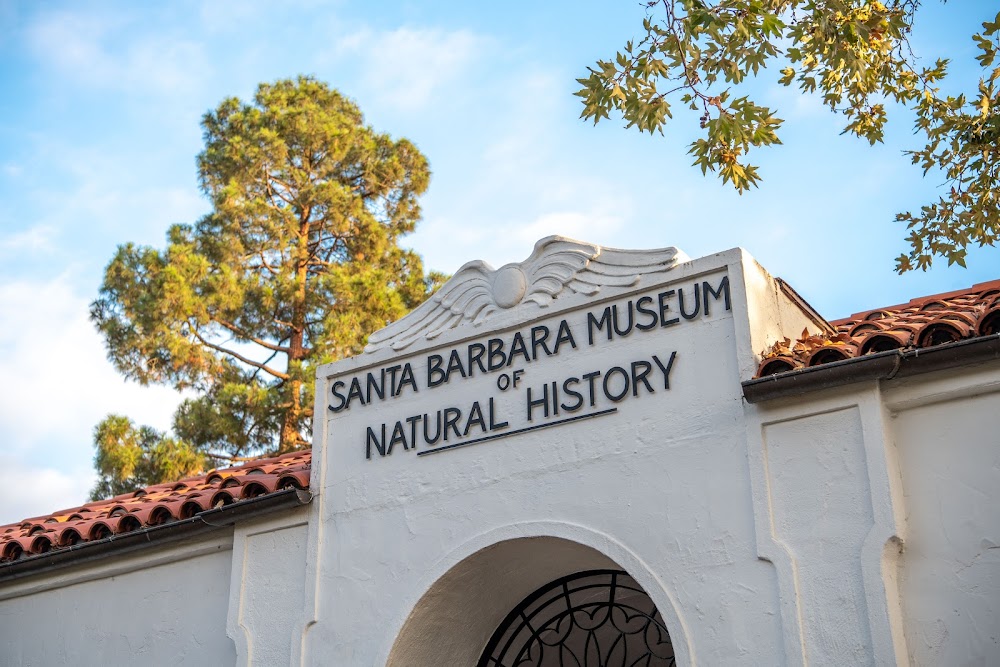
point(598, 618)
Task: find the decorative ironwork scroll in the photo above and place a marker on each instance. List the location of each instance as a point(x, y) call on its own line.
point(598, 618)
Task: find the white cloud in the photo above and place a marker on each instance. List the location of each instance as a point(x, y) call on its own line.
point(57, 383)
point(79, 46)
point(574, 224)
point(33, 239)
point(523, 164)
point(235, 15)
point(448, 243)
point(115, 194)
point(229, 15)
point(791, 103)
point(406, 67)
point(27, 491)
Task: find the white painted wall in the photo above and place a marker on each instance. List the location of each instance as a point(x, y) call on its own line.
point(123, 612)
point(232, 597)
point(947, 438)
point(821, 506)
point(879, 504)
point(268, 590)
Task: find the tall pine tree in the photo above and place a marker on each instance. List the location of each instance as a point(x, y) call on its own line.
point(297, 262)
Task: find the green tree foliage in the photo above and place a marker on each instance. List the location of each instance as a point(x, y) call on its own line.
point(297, 262)
point(856, 55)
point(130, 457)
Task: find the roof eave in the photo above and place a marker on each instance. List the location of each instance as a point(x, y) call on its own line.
point(881, 366)
point(116, 545)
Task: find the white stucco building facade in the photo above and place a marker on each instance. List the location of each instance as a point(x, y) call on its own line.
point(583, 429)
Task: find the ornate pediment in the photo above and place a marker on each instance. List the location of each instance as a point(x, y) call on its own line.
point(557, 267)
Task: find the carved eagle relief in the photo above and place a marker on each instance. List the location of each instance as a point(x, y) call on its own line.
point(477, 291)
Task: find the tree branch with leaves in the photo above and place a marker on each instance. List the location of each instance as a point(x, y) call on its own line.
point(855, 54)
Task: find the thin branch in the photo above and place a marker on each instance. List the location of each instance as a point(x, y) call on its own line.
point(239, 357)
point(230, 457)
point(266, 361)
point(265, 263)
point(243, 334)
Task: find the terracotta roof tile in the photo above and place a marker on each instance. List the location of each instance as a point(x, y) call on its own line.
point(924, 322)
point(153, 505)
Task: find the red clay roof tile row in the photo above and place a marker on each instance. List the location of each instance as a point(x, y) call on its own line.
point(154, 505)
point(924, 322)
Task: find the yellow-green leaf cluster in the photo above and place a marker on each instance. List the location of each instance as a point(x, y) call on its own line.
point(130, 457)
point(854, 54)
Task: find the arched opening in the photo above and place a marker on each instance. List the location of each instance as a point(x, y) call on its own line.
point(597, 618)
point(469, 615)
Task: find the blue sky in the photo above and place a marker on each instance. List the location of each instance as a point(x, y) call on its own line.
point(99, 128)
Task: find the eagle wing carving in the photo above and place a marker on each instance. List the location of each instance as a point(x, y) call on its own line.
point(477, 292)
point(468, 295)
point(585, 268)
